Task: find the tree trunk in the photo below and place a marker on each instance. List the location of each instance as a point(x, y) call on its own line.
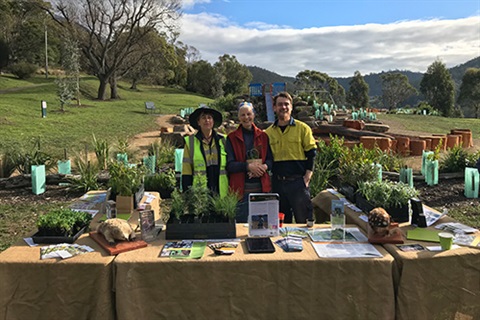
point(102, 89)
point(134, 84)
point(113, 88)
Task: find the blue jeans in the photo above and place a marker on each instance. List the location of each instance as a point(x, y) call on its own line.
point(294, 199)
point(242, 209)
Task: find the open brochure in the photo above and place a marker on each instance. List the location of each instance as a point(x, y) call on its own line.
point(456, 227)
point(63, 250)
point(185, 249)
point(325, 235)
point(346, 250)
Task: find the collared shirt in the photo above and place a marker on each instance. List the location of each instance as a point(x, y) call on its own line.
point(293, 149)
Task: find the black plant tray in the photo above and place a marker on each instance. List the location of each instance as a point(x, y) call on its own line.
point(197, 230)
point(57, 239)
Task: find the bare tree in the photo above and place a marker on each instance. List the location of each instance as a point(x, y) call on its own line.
point(108, 31)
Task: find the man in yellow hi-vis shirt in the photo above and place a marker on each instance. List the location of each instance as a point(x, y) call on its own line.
point(294, 150)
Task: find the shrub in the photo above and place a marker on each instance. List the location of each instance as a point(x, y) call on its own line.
point(454, 161)
point(23, 70)
point(163, 181)
point(24, 159)
point(387, 194)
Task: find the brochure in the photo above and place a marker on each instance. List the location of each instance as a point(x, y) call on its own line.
point(147, 225)
point(411, 247)
point(294, 232)
point(263, 211)
point(224, 247)
point(185, 249)
point(431, 216)
point(325, 235)
point(63, 250)
point(290, 244)
point(346, 250)
point(456, 227)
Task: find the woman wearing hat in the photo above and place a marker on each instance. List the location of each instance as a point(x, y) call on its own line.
point(204, 152)
point(249, 158)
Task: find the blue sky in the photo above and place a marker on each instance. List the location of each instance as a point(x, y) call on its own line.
point(335, 37)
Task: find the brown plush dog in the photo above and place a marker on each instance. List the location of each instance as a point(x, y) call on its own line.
point(116, 229)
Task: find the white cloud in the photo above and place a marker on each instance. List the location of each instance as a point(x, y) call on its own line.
point(337, 51)
point(186, 4)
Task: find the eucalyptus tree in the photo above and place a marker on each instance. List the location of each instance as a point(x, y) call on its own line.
point(357, 94)
point(109, 32)
point(469, 97)
point(234, 76)
point(395, 89)
point(311, 80)
point(438, 87)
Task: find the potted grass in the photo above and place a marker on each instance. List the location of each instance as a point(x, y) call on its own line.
point(126, 181)
point(195, 214)
point(61, 225)
point(394, 197)
point(162, 182)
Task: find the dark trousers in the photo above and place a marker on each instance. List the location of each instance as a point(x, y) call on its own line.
point(294, 199)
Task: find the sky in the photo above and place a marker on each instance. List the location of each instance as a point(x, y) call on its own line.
point(336, 37)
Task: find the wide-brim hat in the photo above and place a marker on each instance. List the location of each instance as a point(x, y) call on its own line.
point(193, 118)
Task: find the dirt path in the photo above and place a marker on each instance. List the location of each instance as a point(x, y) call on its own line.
point(142, 141)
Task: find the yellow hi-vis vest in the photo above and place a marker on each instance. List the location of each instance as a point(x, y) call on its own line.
point(200, 167)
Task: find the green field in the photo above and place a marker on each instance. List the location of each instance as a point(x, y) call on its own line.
point(21, 116)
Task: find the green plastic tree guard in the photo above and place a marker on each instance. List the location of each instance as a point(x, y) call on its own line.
point(406, 176)
point(431, 172)
point(123, 157)
point(424, 160)
point(64, 166)
point(354, 115)
point(38, 179)
point(150, 162)
point(472, 178)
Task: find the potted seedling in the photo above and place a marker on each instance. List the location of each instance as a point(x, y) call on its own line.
point(195, 214)
point(61, 225)
point(127, 185)
point(394, 197)
point(162, 182)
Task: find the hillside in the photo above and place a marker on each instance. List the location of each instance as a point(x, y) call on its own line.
point(373, 79)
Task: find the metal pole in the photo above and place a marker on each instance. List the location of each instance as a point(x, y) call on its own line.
point(46, 51)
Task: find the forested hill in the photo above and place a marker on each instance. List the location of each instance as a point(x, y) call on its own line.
point(373, 79)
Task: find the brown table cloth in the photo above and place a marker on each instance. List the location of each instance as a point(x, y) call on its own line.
point(76, 288)
point(429, 285)
point(282, 285)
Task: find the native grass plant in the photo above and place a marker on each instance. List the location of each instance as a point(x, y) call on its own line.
point(87, 178)
point(24, 159)
point(63, 221)
point(227, 205)
point(199, 198)
point(177, 207)
point(164, 182)
point(454, 160)
point(198, 204)
point(125, 179)
point(356, 166)
point(7, 166)
point(102, 152)
point(387, 194)
point(164, 152)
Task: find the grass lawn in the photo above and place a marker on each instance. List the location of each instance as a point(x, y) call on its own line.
point(21, 117)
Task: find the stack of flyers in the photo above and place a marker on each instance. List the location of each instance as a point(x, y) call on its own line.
point(290, 244)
